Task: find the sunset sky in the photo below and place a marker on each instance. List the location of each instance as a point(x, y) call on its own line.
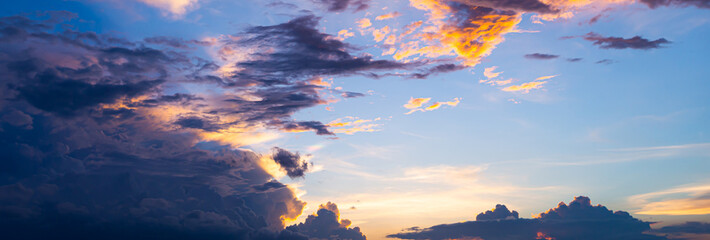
point(250, 119)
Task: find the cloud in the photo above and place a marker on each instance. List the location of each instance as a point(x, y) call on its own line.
point(695, 3)
point(416, 105)
point(297, 50)
point(388, 16)
point(574, 59)
point(352, 125)
point(292, 163)
point(342, 5)
point(636, 42)
point(364, 23)
point(541, 56)
point(416, 102)
point(604, 61)
point(525, 87)
point(488, 72)
point(688, 227)
point(578, 220)
point(175, 8)
point(467, 30)
point(688, 200)
point(326, 224)
point(546, 77)
point(501, 212)
point(94, 147)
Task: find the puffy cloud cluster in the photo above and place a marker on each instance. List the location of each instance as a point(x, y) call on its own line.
point(326, 224)
point(577, 220)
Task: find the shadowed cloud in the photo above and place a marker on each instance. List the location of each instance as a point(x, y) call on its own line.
point(578, 220)
point(541, 56)
point(636, 42)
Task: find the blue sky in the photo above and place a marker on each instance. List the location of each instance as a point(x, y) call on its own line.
point(625, 126)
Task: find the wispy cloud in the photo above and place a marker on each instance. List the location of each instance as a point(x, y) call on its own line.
point(416, 105)
point(525, 87)
point(683, 200)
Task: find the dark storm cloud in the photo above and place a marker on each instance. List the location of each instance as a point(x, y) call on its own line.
point(636, 42)
point(688, 227)
point(326, 224)
point(82, 160)
point(342, 5)
point(578, 220)
point(541, 56)
point(299, 51)
point(292, 163)
point(695, 3)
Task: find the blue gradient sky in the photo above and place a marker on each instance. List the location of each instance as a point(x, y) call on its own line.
point(626, 133)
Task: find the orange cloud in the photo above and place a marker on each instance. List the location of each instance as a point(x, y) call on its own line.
point(489, 72)
point(388, 16)
point(415, 105)
point(416, 102)
point(352, 125)
point(364, 23)
point(380, 34)
point(525, 87)
point(344, 34)
point(470, 39)
point(546, 77)
point(687, 200)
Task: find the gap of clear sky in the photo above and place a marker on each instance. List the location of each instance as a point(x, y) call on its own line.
point(404, 113)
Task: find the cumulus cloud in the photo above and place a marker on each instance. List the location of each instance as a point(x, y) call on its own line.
point(636, 42)
point(326, 224)
point(578, 220)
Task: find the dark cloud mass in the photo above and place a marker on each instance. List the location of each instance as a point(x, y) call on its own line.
point(90, 149)
point(299, 51)
point(541, 56)
point(576, 220)
point(326, 224)
point(636, 42)
point(292, 163)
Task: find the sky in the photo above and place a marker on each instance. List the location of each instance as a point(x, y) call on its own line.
point(354, 119)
